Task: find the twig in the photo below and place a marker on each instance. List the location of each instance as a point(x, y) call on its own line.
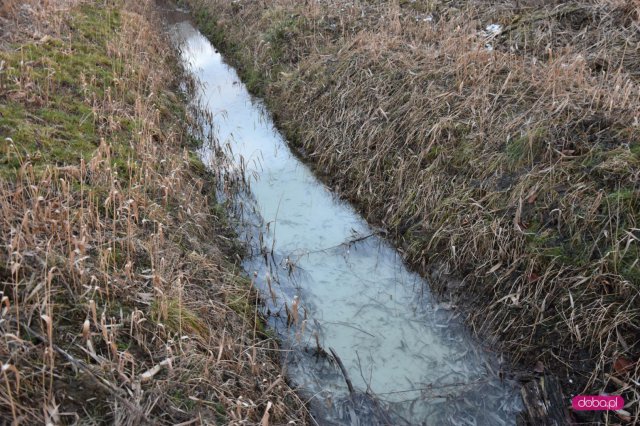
point(344, 371)
point(347, 243)
point(350, 326)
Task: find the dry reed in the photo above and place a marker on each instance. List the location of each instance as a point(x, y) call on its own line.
point(498, 142)
point(116, 272)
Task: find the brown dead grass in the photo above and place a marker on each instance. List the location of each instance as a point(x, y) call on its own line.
point(115, 271)
point(515, 168)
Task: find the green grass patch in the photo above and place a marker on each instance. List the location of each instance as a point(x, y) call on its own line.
point(177, 318)
point(526, 148)
point(48, 89)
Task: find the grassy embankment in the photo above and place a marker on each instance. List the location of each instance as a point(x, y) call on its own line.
point(509, 160)
point(121, 299)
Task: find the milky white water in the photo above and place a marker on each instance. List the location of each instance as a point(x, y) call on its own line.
point(395, 340)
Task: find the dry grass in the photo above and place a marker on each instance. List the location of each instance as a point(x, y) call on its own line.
point(510, 160)
point(115, 269)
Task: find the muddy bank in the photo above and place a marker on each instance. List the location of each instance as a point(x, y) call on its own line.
point(123, 301)
point(511, 167)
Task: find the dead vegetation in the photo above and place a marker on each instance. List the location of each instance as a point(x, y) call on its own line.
point(121, 302)
point(498, 141)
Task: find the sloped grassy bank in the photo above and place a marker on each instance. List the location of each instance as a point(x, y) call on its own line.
point(499, 145)
point(121, 298)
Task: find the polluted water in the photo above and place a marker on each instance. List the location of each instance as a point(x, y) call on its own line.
point(364, 341)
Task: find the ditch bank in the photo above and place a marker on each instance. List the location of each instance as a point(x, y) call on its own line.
point(366, 342)
point(123, 301)
point(511, 168)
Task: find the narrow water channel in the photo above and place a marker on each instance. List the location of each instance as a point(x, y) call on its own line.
point(330, 282)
